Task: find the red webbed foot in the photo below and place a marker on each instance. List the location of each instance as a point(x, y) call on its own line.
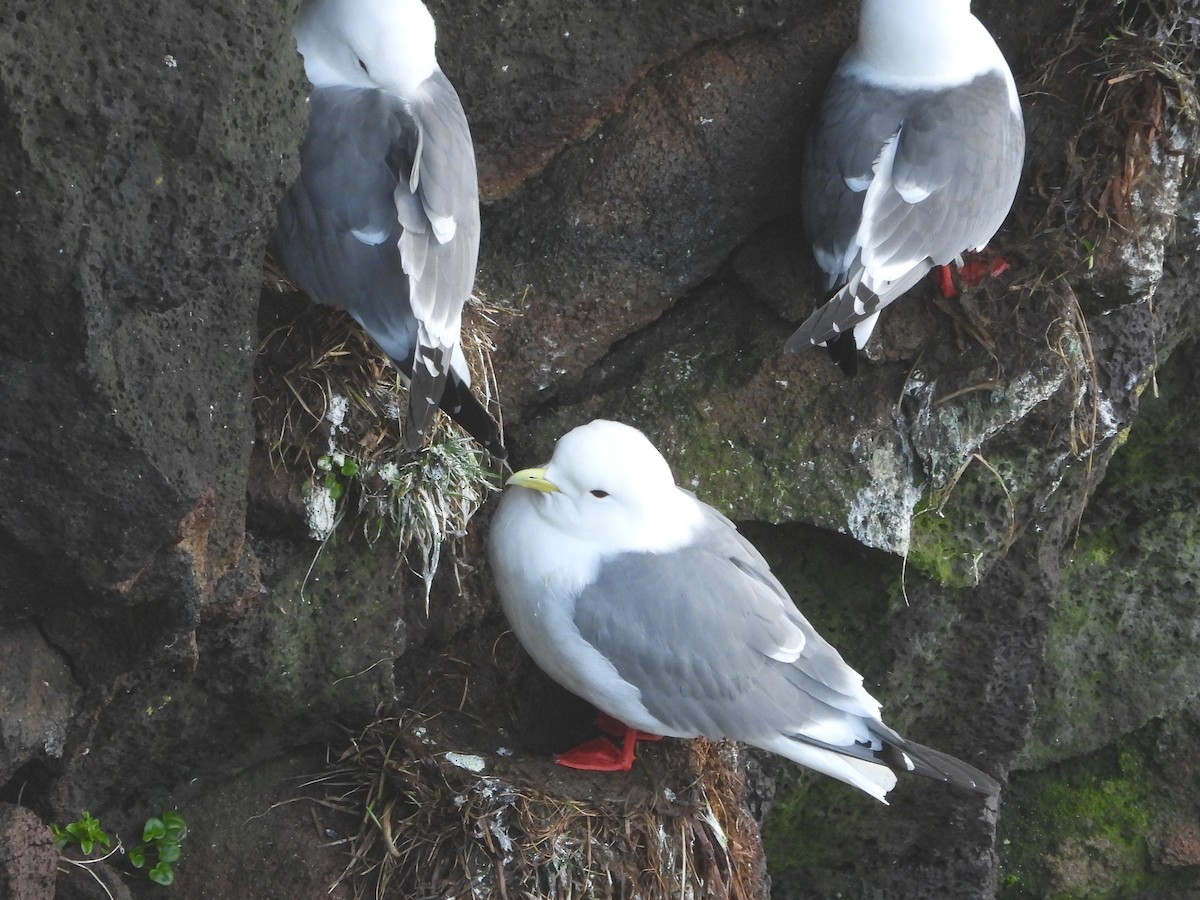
point(598, 755)
point(601, 754)
point(976, 266)
point(982, 265)
point(944, 278)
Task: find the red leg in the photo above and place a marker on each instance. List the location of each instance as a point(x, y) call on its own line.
point(601, 754)
point(616, 728)
point(945, 281)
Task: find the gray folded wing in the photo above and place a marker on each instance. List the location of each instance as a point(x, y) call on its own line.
point(437, 203)
point(338, 230)
point(895, 181)
point(714, 643)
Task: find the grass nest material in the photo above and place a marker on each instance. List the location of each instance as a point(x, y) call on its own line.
point(329, 407)
point(1140, 61)
point(1111, 108)
point(435, 826)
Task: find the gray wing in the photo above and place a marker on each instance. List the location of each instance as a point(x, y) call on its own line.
point(437, 202)
point(895, 182)
point(438, 207)
point(338, 229)
point(714, 643)
point(383, 221)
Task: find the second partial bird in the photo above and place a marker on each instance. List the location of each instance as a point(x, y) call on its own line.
point(914, 158)
point(383, 220)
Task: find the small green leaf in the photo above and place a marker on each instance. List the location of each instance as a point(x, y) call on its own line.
point(350, 467)
point(137, 857)
point(86, 844)
point(162, 874)
point(155, 828)
point(168, 851)
point(176, 826)
point(336, 490)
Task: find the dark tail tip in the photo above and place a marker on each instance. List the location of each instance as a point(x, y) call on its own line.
point(939, 766)
point(465, 408)
point(844, 351)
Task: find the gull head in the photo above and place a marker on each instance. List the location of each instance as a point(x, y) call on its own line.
point(922, 44)
point(607, 484)
point(382, 44)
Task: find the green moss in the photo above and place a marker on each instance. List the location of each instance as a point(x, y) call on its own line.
point(937, 549)
point(339, 592)
point(1149, 455)
point(970, 522)
point(1079, 829)
point(1094, 551)
point(1124, 621)
point(815, 828)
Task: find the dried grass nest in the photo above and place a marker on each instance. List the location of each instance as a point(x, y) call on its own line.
point(435, 824)
point(329, 407)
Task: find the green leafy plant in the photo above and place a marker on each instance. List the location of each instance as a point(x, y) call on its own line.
point(338, 469)
point(160, 841)
point(161, 837)
point(85, 833)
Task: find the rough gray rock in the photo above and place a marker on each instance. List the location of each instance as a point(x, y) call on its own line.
point(28, 858)
point(37, 697)
point(639, 168)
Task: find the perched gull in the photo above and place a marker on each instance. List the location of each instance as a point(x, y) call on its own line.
point(636, 596)
point(383, 220)
point(914, 159)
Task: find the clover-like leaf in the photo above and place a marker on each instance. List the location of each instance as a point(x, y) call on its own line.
point(168, 851)
point(155, 828)
point(162, 874)
point(176, 826)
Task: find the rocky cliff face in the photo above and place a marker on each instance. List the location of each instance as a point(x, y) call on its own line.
point(996, 521)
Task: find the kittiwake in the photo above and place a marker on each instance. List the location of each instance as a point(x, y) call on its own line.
point(914, 158)
point(639, 598)
point(383, 219)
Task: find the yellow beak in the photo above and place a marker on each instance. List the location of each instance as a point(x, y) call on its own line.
point(535, 479)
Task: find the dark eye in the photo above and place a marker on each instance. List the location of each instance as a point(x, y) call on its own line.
point(362, 65)
point(599, 494)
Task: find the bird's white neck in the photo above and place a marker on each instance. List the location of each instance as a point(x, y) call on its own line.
point(921, 44)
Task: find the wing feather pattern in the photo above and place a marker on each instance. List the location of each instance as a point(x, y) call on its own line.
point(896, 182)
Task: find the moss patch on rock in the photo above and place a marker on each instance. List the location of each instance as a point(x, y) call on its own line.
point(1125, 623)
point(1085, 829)
point(813, 827)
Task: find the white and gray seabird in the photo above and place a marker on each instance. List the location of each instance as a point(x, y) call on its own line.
point(383, 219)
point(650, 604)
point(914, 159)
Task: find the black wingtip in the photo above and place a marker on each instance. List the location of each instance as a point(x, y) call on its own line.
point(461, 405)
point(844, 351)
point(428, 391)
point(908, 756)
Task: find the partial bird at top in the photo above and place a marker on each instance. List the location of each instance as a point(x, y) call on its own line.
point(650, 604)
point(914, 159)
point(383, 219)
